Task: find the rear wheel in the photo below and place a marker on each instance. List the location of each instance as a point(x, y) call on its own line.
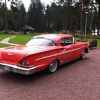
point(52, 66)
point(83, 55)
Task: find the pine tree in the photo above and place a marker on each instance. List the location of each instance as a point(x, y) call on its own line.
point(36, 15)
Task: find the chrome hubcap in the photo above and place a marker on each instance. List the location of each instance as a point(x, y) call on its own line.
point(83, 54)
point(53, 66)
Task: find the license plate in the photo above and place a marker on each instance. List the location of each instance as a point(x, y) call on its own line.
point(5, 67)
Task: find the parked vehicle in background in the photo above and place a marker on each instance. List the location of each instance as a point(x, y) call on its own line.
point(46, 51)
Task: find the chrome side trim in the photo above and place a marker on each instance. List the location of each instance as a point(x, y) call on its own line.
point(73, 50)
point(50, 56)
point(63, 52)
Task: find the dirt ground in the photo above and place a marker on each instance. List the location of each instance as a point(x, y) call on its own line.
point(78, 80)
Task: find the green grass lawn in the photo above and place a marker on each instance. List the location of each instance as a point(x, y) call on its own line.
point(3, 36)
point(23, 39)
point(20, 39)
point(4, 45)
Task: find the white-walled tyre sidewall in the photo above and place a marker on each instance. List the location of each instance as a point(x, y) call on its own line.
point(83, 55)
point(53, 66)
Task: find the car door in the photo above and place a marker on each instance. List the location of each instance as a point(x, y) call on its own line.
point(69, 52)
point(69, 46)
point(78, 50)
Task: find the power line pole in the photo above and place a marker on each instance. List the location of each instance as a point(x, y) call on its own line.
point(85, 26)
point(6, 22)
point(81, 22)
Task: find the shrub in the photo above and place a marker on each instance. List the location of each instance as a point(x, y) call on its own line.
point(9, 32)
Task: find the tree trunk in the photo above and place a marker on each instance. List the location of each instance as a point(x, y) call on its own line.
point(99, 19)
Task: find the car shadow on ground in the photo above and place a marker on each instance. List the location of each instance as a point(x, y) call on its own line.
point(14, 77)
point(21, 78)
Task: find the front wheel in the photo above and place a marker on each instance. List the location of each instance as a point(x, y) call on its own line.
point(83, 55)
point(52, 66)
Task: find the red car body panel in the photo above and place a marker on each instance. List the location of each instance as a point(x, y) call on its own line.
point(39, 57)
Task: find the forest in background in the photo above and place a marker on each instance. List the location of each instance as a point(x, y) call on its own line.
point(61, 15)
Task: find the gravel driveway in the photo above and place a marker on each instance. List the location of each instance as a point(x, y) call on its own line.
point(78, 80)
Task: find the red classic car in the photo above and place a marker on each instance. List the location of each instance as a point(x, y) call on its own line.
point(46, 51)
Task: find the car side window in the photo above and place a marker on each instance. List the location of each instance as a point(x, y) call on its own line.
point(66, 41)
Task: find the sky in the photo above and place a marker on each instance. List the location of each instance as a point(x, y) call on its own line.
point(27, 3)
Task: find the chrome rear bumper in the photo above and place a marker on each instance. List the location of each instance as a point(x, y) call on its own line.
point(16, 69)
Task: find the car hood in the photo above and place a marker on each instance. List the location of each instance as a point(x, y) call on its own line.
point(15, 53)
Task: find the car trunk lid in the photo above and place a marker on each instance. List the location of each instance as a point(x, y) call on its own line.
point(14, 53)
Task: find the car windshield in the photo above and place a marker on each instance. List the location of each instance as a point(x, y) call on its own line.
point(41, 42)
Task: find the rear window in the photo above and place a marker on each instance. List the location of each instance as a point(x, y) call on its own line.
point(41, 42)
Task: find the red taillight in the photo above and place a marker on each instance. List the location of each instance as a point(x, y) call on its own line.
point(23, 64)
